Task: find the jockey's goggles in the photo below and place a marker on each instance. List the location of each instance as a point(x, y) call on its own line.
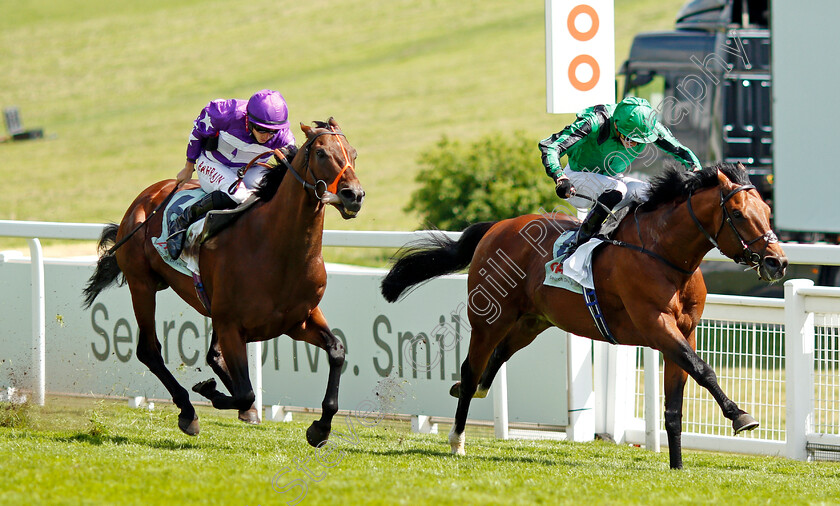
point(262, 129)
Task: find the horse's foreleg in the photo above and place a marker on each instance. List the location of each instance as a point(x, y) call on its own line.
point(148, 352)
point(675, 378)
point(705, 376)
point(316, 331)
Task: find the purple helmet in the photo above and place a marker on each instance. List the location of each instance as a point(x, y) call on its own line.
point(267, 108)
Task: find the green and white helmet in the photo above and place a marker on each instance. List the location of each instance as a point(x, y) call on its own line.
point(635, 119)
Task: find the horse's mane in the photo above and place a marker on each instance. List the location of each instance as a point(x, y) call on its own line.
point(677, 183)
point(270, 182)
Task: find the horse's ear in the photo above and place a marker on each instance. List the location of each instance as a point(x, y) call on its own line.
point(306, 129)
point(741, 167)
point(333, 123)
point(723, 181)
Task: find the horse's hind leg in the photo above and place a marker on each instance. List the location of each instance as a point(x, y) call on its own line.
point(521, 335)
point(316, 331)
point(234, 355)
point(148, 352)
point(217, 363)
point(482, 343)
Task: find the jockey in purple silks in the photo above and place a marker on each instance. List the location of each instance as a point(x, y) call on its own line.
point(227, 135)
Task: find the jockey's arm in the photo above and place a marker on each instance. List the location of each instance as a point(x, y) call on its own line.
point(668, 143)
point(186, 173)
point(554, 147)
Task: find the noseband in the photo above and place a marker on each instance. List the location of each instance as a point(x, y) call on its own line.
point(747, 256)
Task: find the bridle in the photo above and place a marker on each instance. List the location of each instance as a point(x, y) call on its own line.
point(747, 256)
point(331, 187)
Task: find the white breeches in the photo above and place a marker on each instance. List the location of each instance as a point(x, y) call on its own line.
point(213, 176)
point(592, 185)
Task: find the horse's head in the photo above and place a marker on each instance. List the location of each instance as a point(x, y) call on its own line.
point(748, 240)
point(331, 160)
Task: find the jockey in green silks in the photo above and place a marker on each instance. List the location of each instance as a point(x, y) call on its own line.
point(600, 145)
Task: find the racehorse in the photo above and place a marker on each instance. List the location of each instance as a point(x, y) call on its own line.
point(647, 280)
point(264, 276)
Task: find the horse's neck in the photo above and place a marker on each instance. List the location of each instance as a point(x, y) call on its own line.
point(296, 218)
point(671, 232)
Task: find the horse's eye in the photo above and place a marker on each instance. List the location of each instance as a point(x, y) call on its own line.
point(320, 153)
point(737, 214)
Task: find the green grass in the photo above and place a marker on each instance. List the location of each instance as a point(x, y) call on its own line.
point(80, 451)
point(117, 85)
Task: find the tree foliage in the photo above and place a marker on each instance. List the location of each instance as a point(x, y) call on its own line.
point(496, 177)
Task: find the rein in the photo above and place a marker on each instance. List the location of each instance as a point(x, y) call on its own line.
point(331, 188)
point(747, 256)
point(650, 253)
point(642, 249)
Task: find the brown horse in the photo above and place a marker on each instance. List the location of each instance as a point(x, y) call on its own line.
point(263, 276)
point(651, 290)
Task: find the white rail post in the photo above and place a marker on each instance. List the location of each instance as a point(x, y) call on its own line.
point(621, 398)
point(255, 371)
point(39, 332)
point(601, 384)
point(500, 404)
point(799, 373)
point(581, 396)
point(652, 437)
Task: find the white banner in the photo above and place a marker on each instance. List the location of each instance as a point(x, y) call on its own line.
point(579, 54)
point(94, 351)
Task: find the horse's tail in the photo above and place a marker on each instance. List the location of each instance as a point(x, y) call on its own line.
point(431, 258)
point(107, 271)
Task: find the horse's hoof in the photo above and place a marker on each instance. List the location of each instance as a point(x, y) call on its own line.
point(317, 433)
point(250, 416)
point(744, 422)
point(456, 442)
point(188, 426)
point(455, 391)
point(205, 388)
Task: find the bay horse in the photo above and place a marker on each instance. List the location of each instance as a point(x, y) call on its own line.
point(263, 276)
point(651, 291)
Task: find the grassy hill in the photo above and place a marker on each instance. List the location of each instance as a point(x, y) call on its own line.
point(117, 85)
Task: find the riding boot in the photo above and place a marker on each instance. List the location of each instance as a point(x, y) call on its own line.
point(597, 215)
point(177, 231)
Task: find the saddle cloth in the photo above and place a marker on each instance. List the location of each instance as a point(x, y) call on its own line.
point(575, 272)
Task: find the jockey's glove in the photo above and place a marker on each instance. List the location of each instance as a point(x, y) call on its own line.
point(563, 187)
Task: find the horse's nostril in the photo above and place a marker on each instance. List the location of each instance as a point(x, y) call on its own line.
point(775, 264)
point(351, 195)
